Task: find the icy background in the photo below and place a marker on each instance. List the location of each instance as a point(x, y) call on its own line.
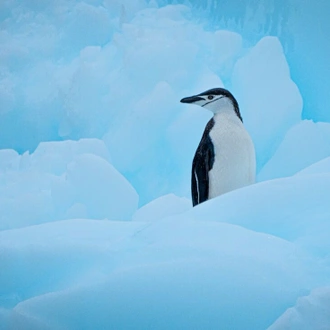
point(96, 225)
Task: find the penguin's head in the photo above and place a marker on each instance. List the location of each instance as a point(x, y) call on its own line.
point(215, 100)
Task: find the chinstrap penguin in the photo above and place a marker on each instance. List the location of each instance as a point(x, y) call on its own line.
point(225, 158)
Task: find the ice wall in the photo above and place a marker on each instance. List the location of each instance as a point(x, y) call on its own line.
point(91, 125)
point(121, 77)
point(302, 27)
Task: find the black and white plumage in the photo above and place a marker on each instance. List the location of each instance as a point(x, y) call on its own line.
point(225, 157)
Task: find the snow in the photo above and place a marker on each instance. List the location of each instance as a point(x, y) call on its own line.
point(264, 87)
point(61, 180)
point(9, 159)
point(109, 263)
point(97, 230)
point(310, 312)
point(162, 207)
point(294, 208)
point(304, 144)
point(322, 166)
point(53, 157)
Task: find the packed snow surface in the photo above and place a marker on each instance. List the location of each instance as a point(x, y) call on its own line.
point(97, 230)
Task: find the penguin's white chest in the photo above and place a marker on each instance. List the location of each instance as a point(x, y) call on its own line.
point(234, 161)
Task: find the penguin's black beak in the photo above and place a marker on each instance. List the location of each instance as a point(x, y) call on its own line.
point(191, 99)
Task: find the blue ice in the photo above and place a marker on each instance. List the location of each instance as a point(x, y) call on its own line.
point(97, 230)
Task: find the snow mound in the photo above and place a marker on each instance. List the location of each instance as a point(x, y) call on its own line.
point(180, 272)
point(93, 182)
point(270, 101)
point(9, 160)
point(310, 312)
point(294, 208)
point(62, 180)
point(53, 157)
point(304, 144)
point(61, 254)
point(323, 166)
point(162, 207)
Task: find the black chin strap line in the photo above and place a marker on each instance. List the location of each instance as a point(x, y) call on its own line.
point(213, 101)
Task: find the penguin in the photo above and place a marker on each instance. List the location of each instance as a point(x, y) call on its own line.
point(225, 158)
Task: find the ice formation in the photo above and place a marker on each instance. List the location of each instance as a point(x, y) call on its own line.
point(97, 230)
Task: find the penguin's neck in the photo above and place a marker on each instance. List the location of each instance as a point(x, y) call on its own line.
point(226, 114)
point(225, 106)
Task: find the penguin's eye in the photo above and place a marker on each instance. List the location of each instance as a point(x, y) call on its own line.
point(210, 97)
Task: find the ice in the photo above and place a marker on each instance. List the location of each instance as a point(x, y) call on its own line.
point(95, 183)
point(4, 318)
point(310, 312)
point(61, 180)
point(123, 79)
point(7, 97)
point(323, 166)
point(53, 157)
point(199, 283)
point(269, 99)
point(125, 72)
point(58, 255)
point(198, 267)
point(9, 160)
point(228, 46)
point(97, 230)
point(303, 42)
point(292, 208)
point(162, 207)
point(304, 144)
